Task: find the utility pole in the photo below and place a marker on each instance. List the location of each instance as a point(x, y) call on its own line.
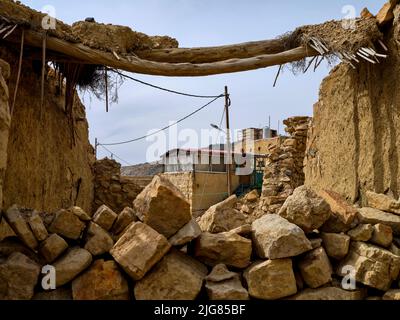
point(228, 141)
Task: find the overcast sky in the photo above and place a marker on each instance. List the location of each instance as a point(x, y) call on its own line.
point(203, 23)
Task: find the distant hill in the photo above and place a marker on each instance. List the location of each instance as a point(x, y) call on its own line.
point(143, 169)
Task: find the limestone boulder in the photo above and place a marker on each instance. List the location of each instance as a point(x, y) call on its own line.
point(382, 235)
point(189, 232)
point(176, 277)
point(80, 213)
point(105, 217)
point(124, 219)
point(37, 226)
point(98, 241)
point(70, 265)
point(315, 268)
point(222, 284)
point(5, 230)
point(139, 249)
point(52, 247)
point(375, 216)
point(226, 248)
point(336, 245)
point(271, 280)
point(163, 207)
point(274, 238)
point(67, 224)
point(392, 295)
point(382, 202)
point(362, 232)
point(20, 226)
point(306, 209)
point(102, 281)
point(18, 277)
point(340, 208)
point(375, 267)
point(329, 294)
point(222, 217)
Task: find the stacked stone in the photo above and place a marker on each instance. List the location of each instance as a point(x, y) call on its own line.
point(284, 168)
point(112, 189)
point(317, 247)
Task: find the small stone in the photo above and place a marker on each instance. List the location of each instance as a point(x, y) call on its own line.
point(67, 224)
point(188, 233)
point(243, 230)
point(316, 243)
point(274, 238)
point(375, 216)
point(392, 295)
point(329, 294)
point(222, 217)
point(271, 280)
point(382, 235)
point(315, 268)
point(53, 247)
point(18, 277)
point(227, 248)
point(251, 196)
point(37, 227)
point(124, 219)
point(362, 232)
point(98, 241)
point(366, 14)
point(21, 227)
point(221, 284)
point(102, 281)
point(336, 245)
point(80, 213)
point(163, 207)
point(105, 217)
point(139, 249)
point(176, 277)
point(71, 265)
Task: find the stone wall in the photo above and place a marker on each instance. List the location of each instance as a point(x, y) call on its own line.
point(45, 170)
point(284, 167)
point(354, 140)
point(4, 123)
point(112, 189)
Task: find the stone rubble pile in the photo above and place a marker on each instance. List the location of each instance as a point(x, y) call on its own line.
point(309, 250)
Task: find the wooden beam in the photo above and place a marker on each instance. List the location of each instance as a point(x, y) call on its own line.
point(137, 65)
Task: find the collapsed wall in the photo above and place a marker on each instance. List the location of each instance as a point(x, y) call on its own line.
point(45, 169)
point(353, 142)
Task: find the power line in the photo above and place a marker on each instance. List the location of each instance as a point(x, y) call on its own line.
point(161, 88)
point(113, 154)
point(165, 128)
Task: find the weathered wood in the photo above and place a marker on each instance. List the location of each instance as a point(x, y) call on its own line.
point(137, 65)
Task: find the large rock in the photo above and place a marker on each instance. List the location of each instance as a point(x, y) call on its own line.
point(37, 227)
point(375, 267)
point(336, 245)
point(392, 295)
point(375, 216)
point(271, 280)
point(363, 232)
point(139, 249)
point(5, 230)
point(105, 217)
point(382, 235)
point(329, 293)
point(52, 247)
point(80, 213)
point(124, 219)
point(20, 226)
point(339, 206)
point(382, 202)
point(103, 281)
point(163, 207)
point(71, 265)
point(189, 232)
point(222, 217)
point(222, 284)
point(227, 248)
point(67, 224)
point(175, 277)
point(18, 277)
point(274, 237)
point(306, 209)
point(98, 241)
point(315, 268)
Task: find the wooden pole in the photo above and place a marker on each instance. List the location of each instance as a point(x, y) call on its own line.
point(228, 142)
